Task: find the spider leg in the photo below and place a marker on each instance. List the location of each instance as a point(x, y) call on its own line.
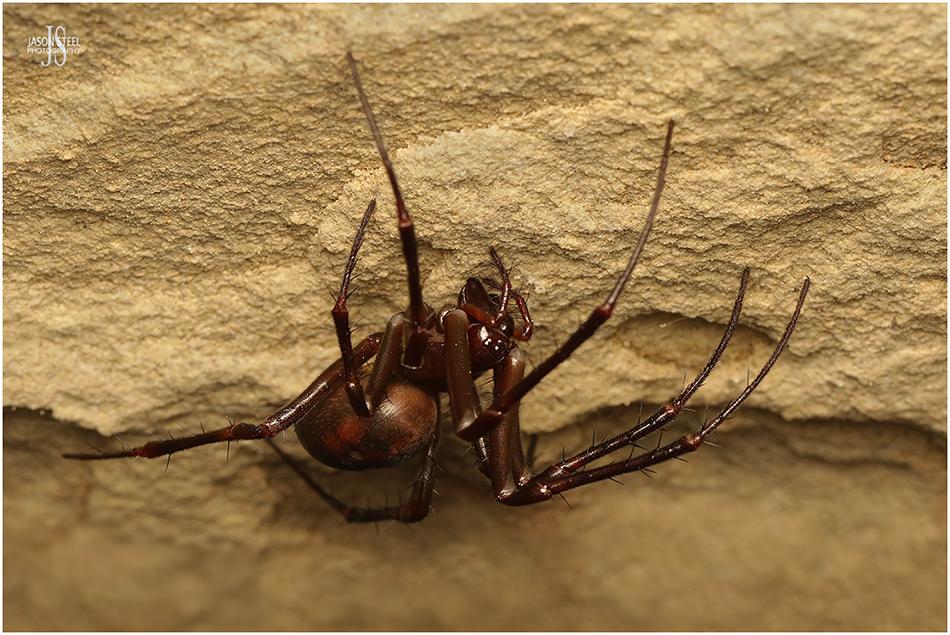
point(407, 233)
point(463, 397)
point(390, 349)
point(269, 427)
point(500, 455)
point(506, 460)
point(667, 413)
point(341, 320)
point(481, 456)
point(413, 510)
point(551, 482)
point(491, 418)
point(505, 453)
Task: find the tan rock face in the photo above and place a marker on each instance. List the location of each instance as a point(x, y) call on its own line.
point(811, 526)
point(180, 196)
point(178, 201)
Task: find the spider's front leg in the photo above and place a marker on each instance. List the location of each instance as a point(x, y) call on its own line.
point(569, 473)
point(491, 418)
point(500, 453)
point(507, 466)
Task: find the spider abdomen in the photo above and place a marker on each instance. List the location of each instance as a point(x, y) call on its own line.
point(401, 424)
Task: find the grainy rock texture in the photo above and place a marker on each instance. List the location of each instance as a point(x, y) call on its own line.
point(806, 526)
point(181, 194)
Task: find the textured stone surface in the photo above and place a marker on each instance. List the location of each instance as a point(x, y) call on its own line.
point(180, 196)
point(811, 526)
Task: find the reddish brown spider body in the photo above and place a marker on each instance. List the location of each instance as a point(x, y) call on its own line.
point(397, 430)
point(358, 415)
point(403, 415)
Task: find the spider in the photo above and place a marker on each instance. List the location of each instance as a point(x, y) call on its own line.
point(355, 418)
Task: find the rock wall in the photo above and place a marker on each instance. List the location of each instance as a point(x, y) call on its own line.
point(811, 526)
point(180, 196)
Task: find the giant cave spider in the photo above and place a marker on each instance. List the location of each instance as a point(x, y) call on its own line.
point(353, 420)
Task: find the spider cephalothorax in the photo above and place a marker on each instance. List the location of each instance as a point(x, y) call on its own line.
point(354, 416)
point(492, 334)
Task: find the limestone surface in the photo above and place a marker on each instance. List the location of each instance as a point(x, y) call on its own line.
point(180, 198)
point(181, 194)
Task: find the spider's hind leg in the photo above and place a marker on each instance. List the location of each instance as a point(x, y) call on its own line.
point(287, 416)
